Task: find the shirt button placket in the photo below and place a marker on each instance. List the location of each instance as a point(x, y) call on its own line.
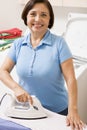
point(32, 62)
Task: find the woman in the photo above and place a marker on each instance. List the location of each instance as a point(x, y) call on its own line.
point(43, 60)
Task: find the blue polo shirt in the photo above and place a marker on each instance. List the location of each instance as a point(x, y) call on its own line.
point(39, 69)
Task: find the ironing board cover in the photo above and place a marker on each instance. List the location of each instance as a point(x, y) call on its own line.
point(9, 125)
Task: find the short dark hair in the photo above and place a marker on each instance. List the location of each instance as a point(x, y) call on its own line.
point(30, 5)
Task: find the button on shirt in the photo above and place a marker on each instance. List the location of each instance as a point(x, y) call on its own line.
point(39, 69)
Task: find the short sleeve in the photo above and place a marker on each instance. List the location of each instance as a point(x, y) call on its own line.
point(14, 50)
point(64, 51)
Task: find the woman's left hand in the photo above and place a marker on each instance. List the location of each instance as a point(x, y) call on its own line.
point(73, 120)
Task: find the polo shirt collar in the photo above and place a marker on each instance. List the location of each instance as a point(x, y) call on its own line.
point(47, 39)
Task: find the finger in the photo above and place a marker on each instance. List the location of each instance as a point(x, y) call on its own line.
point(22, 98)
point(77, 126)
point(67, 121)
point(30, 100)
point(81, 125)
point(72, 125)
point(19, 98)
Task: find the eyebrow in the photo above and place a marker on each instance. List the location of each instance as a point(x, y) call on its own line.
point(41, 12)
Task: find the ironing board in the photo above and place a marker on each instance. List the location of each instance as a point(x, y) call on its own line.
point(53, 122)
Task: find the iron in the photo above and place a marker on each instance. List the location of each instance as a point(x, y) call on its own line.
point(22, 110)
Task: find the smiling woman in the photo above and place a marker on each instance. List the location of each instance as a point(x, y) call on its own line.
point(38, 21)
point(44, 62)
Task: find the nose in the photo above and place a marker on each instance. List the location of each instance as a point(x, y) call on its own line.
point(37, 18)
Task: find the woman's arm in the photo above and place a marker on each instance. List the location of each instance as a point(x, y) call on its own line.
point(73, 118)
point(6, 78)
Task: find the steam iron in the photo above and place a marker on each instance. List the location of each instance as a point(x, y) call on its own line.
point(22, 110)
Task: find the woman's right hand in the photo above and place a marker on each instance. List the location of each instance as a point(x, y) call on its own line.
point(22, 95)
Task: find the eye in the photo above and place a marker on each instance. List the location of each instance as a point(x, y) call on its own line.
point(32, 14)
point(44, 15)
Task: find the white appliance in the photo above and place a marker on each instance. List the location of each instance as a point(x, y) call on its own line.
point(76, 37)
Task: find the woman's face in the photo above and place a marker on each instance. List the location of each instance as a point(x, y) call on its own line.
point(38, 18)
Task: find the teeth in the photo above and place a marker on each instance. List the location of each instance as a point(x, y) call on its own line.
point(38, 25)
